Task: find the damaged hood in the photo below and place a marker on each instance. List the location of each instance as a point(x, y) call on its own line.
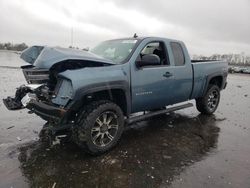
point(46, 57)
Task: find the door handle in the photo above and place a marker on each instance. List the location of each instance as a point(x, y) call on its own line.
point(167, 74)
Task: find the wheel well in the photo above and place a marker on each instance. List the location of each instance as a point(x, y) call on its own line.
point(117, 96)
point(217, 81)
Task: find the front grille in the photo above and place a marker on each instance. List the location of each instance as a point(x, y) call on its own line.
point(35, 75)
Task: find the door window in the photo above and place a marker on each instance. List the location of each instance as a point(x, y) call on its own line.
point(156, 48)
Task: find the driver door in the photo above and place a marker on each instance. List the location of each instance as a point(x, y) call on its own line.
point(152, 85)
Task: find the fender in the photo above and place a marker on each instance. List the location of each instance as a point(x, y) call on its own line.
point(104, 86)
point(211, 76)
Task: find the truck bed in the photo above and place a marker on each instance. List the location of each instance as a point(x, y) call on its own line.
point(202, 70)
point(202, 61)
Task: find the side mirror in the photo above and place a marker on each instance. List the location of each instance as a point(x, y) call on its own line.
point(148, 59)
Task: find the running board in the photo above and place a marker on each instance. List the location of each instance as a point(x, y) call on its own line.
point(151, 114)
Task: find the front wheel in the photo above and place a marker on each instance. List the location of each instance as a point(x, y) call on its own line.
point(209, 103)
point(99, 127)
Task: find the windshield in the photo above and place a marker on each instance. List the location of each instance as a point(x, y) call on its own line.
point(115, 50)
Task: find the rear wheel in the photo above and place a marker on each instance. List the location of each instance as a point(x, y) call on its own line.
point(209, 103)
point(99, 127)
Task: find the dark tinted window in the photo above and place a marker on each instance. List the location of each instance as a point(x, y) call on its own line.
point(179, 58)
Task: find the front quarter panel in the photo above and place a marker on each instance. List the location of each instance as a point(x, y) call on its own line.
point(88, 80)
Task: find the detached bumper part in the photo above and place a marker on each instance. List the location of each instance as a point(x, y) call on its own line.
point(26, 98)
point(12, 103)
point(46, 111)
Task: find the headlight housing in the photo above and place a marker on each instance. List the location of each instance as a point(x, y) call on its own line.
point(63, 92)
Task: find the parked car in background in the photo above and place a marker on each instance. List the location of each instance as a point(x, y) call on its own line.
point(246, 71)
point(238, 70)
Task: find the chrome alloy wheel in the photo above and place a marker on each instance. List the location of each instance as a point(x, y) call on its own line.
point(213, 99)
point(104, 129)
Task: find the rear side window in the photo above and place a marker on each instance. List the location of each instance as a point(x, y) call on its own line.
point(179, 58)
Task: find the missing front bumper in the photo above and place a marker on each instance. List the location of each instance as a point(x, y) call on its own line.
point(25, 97)
point(46, 111)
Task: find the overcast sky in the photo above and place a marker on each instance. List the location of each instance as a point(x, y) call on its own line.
point(206, 26)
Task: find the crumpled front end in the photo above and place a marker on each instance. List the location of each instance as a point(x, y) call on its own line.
point(47, 94)
point(41, 101)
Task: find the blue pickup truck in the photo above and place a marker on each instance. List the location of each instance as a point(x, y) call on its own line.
point(90, 96)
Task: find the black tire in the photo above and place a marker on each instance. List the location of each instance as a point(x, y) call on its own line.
point(93, 137)
point(209, 103)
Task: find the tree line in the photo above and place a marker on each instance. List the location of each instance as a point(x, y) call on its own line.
point(14, 47)
point(240, 59)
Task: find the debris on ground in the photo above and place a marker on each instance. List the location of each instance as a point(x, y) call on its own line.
point(35, 139)
point(18, 138)
point(109, 161)
point(220, 119)
point(165, 144)
point(54, 185)
point(10, 127)
point(84, 172)
point(56, 141)
point(167, 157)
point(113, 161)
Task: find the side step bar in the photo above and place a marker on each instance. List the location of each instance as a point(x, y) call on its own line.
point(151, 114)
